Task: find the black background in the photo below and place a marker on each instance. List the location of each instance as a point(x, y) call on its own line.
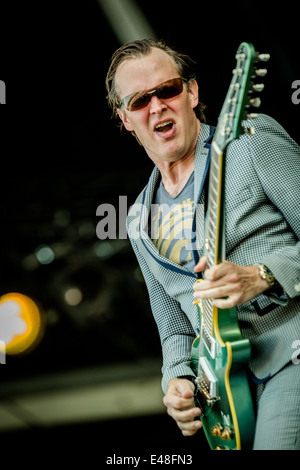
point(62, 154)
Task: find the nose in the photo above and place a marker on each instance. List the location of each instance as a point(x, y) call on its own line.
point(156, 105)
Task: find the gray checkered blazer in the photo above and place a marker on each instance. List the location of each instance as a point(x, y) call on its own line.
point(262, 194)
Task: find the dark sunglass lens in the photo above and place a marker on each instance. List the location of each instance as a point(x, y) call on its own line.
point(138, 102)
point(171, 89)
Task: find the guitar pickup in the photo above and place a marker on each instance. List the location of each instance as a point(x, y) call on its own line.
point(207, 382)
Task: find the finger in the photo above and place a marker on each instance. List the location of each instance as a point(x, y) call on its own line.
point(221, 270)
point(230, 302)
point(189, 433)
point(186, 416)
point(204, 285)
point(188, 394)
point(217, 292)
point(200, 266)
point(216, 272)
point(189, 429)
point(179, 403)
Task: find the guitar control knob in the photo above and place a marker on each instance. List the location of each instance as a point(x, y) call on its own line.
point(217, 430)
point(226, 434)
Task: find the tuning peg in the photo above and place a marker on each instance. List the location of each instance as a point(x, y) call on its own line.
point(249, 130)
point(237, 72)
point(261, 72)
point(258, 87)
point(240, 56)
point(263, 57)
point(252, 116)
point(255, 102)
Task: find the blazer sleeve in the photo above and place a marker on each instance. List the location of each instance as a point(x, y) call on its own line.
point(276, 157)
point(175, 330)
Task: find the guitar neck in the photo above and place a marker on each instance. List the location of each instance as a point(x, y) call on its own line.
point(235, 108)
point(228, 128)
point(214, 246)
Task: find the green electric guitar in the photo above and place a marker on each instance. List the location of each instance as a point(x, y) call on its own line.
point(220, 354)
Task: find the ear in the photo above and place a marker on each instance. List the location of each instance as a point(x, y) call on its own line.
point(193, 92)
point(125, 120)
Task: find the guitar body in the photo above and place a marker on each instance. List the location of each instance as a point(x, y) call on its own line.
point(220, 355)
point(225, 399)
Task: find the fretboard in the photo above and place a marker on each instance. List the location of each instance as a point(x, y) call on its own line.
point(213, 232)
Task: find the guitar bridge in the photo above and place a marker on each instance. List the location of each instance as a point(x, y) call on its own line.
point(207, 382)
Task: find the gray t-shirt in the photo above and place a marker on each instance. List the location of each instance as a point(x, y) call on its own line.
point(172, 223)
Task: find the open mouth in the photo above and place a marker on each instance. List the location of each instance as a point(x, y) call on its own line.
point(164, 126)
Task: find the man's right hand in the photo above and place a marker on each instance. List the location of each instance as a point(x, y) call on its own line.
point(180, 404)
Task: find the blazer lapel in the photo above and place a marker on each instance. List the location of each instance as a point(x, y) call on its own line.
point(202, 161)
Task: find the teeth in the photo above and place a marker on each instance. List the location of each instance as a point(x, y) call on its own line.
point(162, 124)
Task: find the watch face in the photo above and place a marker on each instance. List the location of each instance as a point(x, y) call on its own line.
point(269, 276)
point(266, 274)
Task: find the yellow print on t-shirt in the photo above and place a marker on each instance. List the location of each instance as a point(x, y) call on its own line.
point(171, 230)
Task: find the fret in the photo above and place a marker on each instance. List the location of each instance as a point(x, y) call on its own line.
point(209, 342)
point(212, 222)
point(210, 259)
point(212, 235)
point(213, 202)
point(211, 244)
point(215, 178)
point(215, 161)
point(207, 320)
point(213, 214)
point(215, 172)
point(215, 191)
point(215, 175)
point(207, 327)
point(213, 207)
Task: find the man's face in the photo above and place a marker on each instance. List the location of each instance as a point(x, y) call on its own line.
point(175, 141)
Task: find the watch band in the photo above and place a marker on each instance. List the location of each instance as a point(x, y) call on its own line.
point(266, 274)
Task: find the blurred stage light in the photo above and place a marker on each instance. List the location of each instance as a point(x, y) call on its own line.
point(73, 296)
point(103, 249)
point(44, 254)
point(127, 20)
point(62, 218)
point(21, 323)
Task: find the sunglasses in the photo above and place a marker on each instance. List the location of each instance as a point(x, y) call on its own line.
point(164, 91)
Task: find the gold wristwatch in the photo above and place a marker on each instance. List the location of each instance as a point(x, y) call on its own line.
point(266, 274)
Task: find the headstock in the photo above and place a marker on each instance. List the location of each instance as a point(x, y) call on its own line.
point(242, 94)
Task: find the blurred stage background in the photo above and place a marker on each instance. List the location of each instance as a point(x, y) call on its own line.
point(95, 374)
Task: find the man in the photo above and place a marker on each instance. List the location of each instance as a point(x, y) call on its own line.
point(153, 90)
